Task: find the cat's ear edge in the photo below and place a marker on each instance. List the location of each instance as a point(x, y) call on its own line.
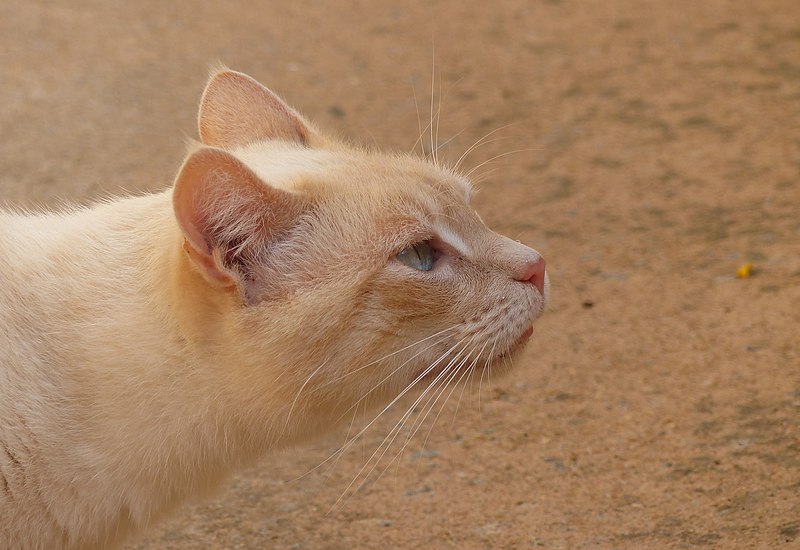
point(236, 110)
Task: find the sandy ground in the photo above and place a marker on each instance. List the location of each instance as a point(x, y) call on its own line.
point(659, 404)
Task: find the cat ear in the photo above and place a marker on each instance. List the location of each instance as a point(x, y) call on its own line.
point(236, 110)
point(229, 216)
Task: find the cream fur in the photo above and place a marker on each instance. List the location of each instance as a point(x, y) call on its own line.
point(151, 345)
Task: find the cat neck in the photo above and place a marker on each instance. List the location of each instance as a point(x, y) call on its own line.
point(116, 277)
point(143, 284)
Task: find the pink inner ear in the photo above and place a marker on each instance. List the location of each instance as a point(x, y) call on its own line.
point(236, 110)
point(189, 187)
point(227, 212)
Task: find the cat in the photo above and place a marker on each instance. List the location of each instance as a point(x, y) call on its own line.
point(150, 345)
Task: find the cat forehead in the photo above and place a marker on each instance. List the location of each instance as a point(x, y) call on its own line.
point(406, 197)
point(287, 166)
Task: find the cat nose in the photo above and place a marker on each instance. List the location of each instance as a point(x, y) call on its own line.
point(532, 271)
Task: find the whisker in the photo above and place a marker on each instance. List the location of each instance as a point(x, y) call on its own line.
point(478, 143)
point(420, 419)
point(420, 141)
point(419, 120)
point(352, 440)
point(483, 372)
point(464, 373)
point(296, 397)
point(395, 400)
point(456, 358)
point(483, 176)
point(452, 389)
point(451, 138)
point(442, 97)
point(489, 369)
point(388, 376)
point(485, 143)
point(433, 81)
point(464, 387)
point(395, 431)
point(438, 116)
point(354, 371)
point(413, 431)
point(501, 155)
point(434, 382)
point(426, 409)
point(397, 428)
point(332, 467)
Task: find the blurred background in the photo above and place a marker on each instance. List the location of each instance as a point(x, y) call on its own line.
point(650, 150)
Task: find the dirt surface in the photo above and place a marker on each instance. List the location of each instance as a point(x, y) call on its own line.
point(659, 403)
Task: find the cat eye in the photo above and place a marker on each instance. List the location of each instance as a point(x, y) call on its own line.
point(418, 256)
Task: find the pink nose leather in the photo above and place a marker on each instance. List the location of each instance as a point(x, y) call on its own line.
point(533, 272)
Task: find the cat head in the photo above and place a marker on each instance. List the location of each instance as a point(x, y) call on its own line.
point(335, 274)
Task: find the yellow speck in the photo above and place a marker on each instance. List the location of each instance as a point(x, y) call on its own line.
point(744, 271)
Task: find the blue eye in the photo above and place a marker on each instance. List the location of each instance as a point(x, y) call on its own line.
point(418, 256)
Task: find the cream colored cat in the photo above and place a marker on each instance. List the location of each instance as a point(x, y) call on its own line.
point(150, 345)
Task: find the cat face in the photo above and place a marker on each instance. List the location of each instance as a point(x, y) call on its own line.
point(364, 274)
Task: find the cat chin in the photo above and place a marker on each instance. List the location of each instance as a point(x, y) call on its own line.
point(503, 363)
point(519, 345)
